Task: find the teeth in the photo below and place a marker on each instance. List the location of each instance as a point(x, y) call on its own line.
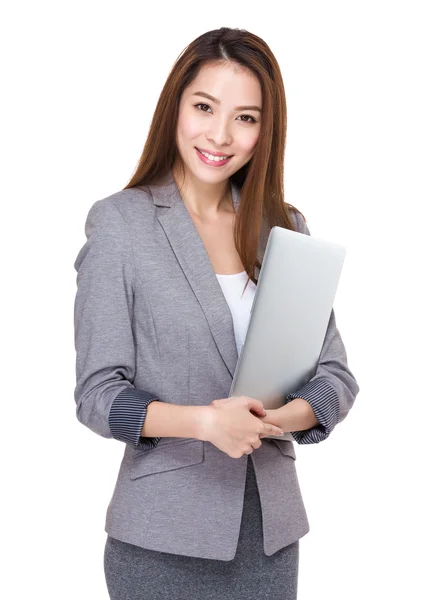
point(215, 158)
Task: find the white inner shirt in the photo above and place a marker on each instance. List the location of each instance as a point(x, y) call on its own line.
point(232, 286)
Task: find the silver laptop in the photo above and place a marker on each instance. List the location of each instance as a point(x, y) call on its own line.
point(289, 317)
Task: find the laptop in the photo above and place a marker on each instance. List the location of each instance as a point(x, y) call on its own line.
point(289, 317)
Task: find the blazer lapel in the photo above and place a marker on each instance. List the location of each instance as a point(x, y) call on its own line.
point(195, 262)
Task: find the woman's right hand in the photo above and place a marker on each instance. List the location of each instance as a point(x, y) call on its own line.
point(231, 427)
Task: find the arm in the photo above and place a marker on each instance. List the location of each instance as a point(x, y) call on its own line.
point(107, 401)
point(296, 415)
point(174, 420)
point(330, 393)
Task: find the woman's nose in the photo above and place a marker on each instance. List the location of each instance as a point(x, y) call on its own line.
point(219, 134)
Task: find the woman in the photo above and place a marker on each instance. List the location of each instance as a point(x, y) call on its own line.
point(202, 508)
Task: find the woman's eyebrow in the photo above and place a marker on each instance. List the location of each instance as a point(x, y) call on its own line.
point(204, 95)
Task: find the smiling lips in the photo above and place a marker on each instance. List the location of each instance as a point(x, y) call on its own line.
point(212, 159)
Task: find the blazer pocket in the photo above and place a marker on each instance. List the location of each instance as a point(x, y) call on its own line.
point(167, 458)
point(286, 447)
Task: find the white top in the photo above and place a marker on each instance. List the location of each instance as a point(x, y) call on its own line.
point(240, 304)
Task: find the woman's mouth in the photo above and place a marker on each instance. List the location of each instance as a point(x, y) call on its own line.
point(213, 161)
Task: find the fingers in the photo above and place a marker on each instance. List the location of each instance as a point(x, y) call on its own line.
point(270, 429)
point(256, 406)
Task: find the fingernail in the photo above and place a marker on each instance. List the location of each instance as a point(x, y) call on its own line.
point(264, 411)
point(282, 433)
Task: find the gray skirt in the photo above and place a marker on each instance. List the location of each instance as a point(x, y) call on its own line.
point(134, 573)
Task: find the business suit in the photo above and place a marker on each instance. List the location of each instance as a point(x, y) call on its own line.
point(151, 321)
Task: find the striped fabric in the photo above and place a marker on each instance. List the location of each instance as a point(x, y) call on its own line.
point(127, 415)
point(325, 404)
point(129, 409)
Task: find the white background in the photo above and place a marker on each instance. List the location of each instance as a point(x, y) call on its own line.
point(363, 82)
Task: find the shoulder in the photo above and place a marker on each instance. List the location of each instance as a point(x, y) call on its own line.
point(298, 219)
point(109, 223)
point(123, 201)
point(118, 209)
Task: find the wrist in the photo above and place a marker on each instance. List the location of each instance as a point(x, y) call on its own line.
point(203, 422)
point(274, 417)
point(296, 415)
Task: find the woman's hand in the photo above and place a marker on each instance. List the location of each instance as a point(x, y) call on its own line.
point(235, 425)
point(272, 417)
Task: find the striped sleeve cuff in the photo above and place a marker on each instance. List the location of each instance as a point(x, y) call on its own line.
point(127, 416)
point(325, 404)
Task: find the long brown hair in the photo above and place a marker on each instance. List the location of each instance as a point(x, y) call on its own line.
point(261, 180)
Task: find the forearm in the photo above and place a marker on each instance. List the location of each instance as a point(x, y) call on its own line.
point(296, 415)
point(164, 419)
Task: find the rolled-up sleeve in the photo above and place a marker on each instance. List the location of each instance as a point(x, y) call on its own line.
point(331, 392)
point(107, 401)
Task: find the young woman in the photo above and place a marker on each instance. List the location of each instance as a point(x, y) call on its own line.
point(204, 505)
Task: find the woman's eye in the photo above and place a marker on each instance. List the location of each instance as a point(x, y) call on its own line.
point(249, 117)
point(252, 119)
point(200, 104)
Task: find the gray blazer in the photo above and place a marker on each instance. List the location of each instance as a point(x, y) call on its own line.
point(151, 322)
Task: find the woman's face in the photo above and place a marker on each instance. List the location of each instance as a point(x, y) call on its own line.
point(226, 124)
